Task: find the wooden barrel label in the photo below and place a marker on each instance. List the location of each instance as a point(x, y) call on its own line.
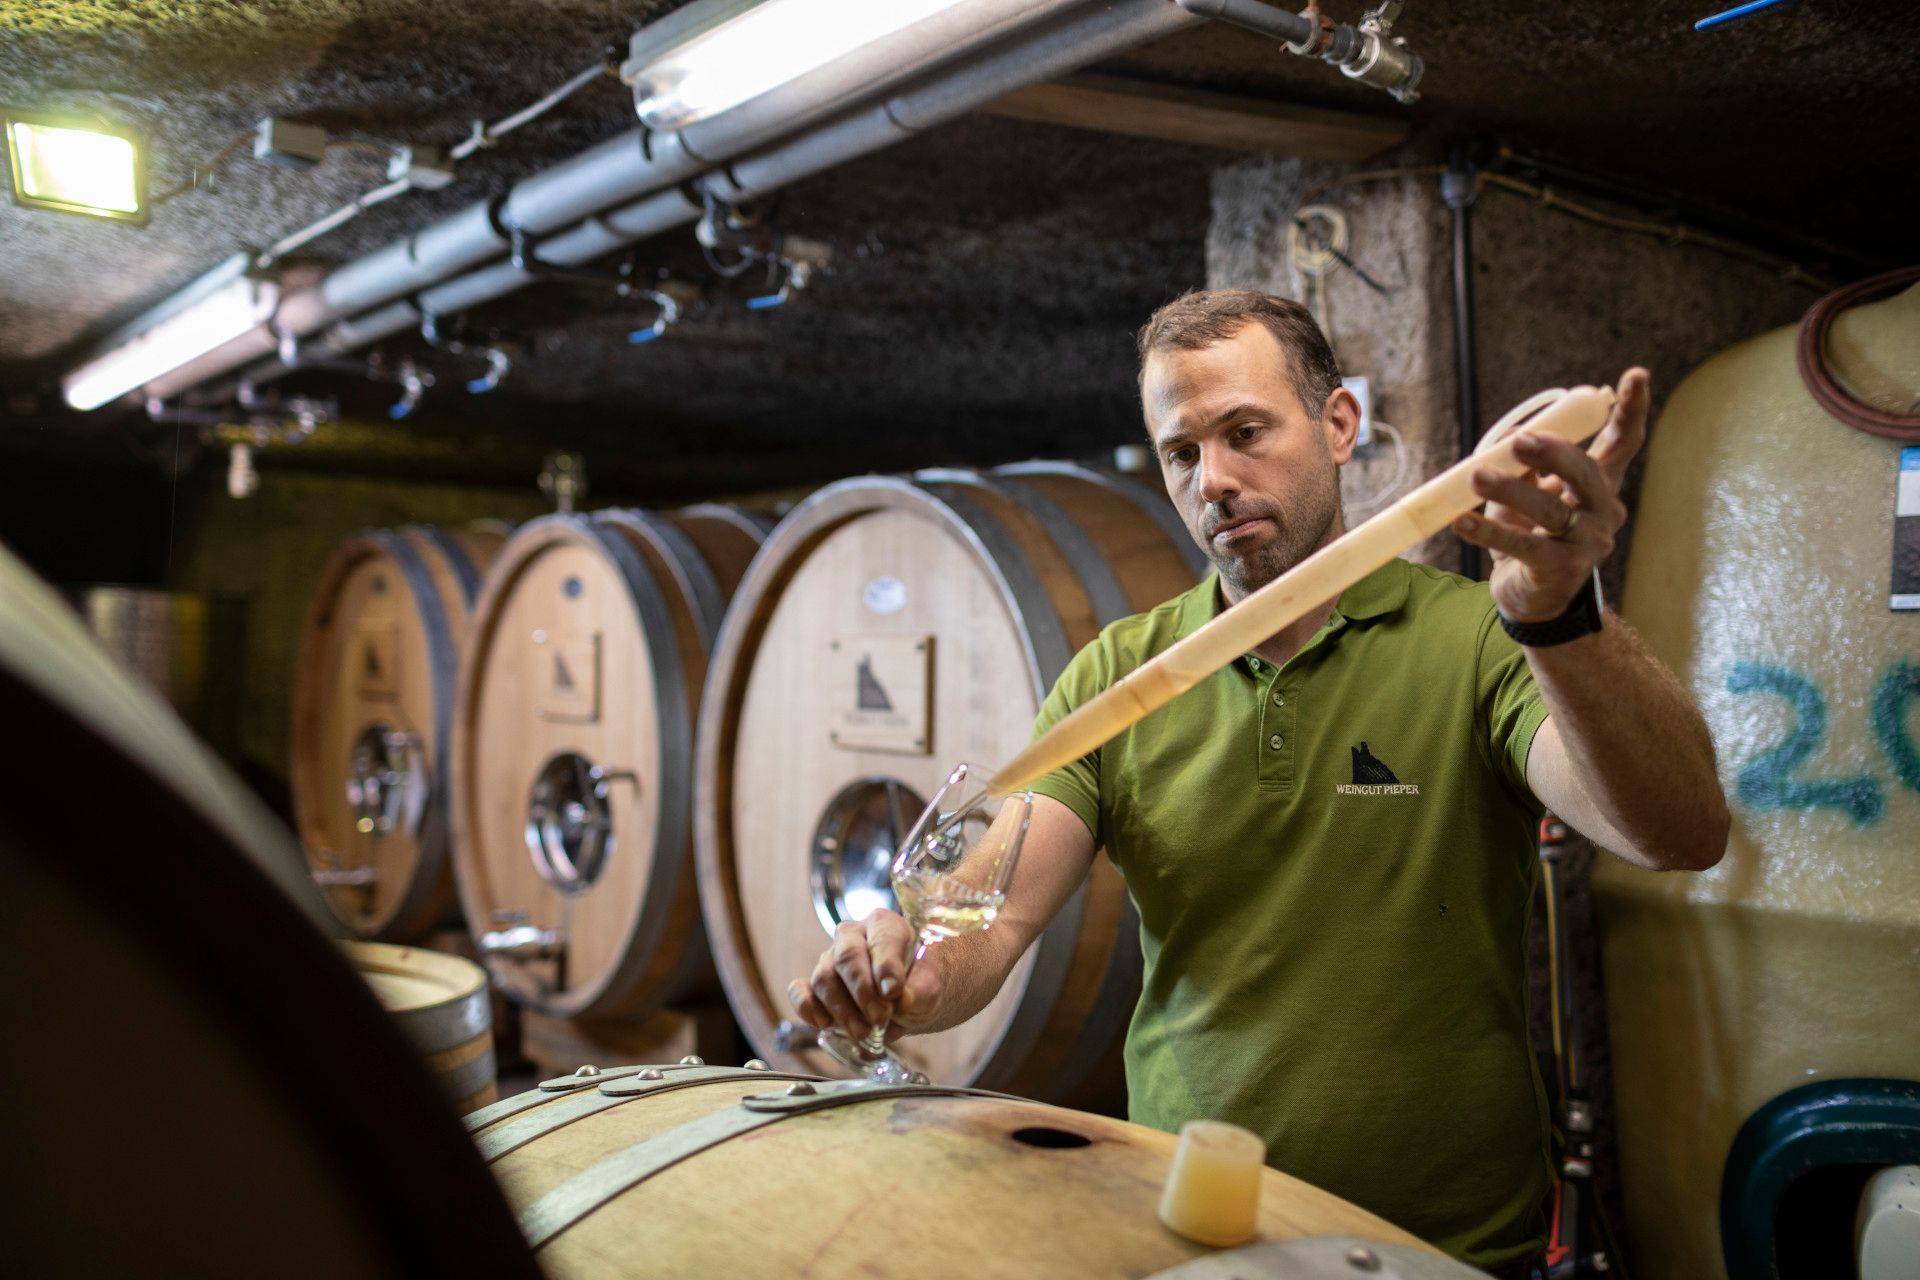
point(568, 675)
point(883, 693)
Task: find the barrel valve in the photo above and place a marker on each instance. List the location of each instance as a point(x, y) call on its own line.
point(519, 940)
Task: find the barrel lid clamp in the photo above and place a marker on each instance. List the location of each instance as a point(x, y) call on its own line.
point(806, 1096)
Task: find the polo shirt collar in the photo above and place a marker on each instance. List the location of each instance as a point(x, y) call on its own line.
point(1381, 592)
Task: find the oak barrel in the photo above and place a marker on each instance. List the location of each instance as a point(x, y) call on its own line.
point(572, 755)
point(202, 1085)
point(440, 1002)
point(890, 628)
point(670, 1171)
point(372, 707)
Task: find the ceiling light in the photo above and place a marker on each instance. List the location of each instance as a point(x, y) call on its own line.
point(216, 309)
point(708, 57)
point(75, 166)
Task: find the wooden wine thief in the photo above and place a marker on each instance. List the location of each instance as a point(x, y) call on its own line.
point(1573, 415)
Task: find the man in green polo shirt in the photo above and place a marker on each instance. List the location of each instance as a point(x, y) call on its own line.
point(1330, 842)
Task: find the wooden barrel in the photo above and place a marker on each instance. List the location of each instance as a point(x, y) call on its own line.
point(696, 1171)
point(440, 1002)
point(572, 755)
point(889, 629)
point(372, 707)
point(1765, 548)
point(280, 1124)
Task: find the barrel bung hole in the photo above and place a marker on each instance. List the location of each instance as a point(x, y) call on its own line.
point(1050, 1139)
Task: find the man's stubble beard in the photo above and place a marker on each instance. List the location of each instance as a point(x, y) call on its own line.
point(1298, 536)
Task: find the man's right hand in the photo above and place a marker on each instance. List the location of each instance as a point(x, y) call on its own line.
point(858, 982)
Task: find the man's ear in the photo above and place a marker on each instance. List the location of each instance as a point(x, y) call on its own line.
point(1340, 419)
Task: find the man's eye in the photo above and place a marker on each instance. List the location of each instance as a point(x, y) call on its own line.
point(1246, 431)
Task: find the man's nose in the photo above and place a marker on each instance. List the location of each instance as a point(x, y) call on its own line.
point(1218, 477)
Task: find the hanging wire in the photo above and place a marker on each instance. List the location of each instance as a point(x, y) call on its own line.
point(1672, 231)
point(482, 136)
point(202, 174)
point(487, 135)
point(1385, 492)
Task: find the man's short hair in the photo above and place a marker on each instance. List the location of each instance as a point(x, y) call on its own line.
point(1201, 317)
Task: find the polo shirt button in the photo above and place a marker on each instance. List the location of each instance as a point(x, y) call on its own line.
point(1278, 701)
point(1276, 742)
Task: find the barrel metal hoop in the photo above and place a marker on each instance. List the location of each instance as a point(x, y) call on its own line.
point(1038, 621)
point(464, 570)
point(585, 1192)
point(470, 1078)
point(1110, 603)
point(447, 1026)
point(673, 827)
point(755, 524)
point(433, 841)
point(689, 568)
point(561, 1112)
point(507, 1108)
point(1045, 637)
point(1153, 505)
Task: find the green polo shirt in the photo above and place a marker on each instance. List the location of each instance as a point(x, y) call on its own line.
point(1333, 863)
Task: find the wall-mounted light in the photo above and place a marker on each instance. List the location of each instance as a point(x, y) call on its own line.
point(75, 165)
point(711, 56)
point(219, 307)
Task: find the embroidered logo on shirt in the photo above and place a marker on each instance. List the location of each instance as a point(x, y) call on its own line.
point(1372, 777)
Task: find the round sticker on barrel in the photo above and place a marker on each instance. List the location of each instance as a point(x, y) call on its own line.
point(886, 595)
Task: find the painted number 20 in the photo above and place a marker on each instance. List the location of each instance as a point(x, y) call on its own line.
point(1770, 781)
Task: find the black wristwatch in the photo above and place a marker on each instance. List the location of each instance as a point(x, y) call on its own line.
point(1582, 618)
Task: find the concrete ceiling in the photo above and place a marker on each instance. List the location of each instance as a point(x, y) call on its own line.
point(989, 274)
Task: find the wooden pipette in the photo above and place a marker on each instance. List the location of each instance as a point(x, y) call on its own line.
point(1572, 415)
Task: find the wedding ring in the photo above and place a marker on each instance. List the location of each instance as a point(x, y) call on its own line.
point(1567, 532)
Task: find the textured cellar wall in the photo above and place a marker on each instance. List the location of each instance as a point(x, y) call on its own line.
point(1558, 300)
point(268, 550)
point(1397, 234)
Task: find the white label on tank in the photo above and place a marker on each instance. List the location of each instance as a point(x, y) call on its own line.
point(886, 595)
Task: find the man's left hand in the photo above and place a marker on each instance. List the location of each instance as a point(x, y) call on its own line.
point(1551, 525)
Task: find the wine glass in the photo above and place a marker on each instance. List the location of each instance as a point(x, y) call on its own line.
point(950, 876)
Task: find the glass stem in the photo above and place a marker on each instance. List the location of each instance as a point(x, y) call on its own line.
point(875, 1043)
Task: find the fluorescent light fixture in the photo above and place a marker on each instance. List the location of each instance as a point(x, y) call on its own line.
point(210, 313)
point(75, 166)
point(707, 58)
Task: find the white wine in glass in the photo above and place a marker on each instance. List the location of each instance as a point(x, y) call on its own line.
point(950, 876)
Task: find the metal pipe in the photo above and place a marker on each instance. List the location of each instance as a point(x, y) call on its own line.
point(1254, 16)
point(1084, 34)
point(1459, 189)
point(621, 170)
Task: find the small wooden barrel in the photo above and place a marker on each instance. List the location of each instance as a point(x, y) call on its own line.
point(372, 708)
point(572, 755)
point(925, 1183)
point(440, 1002)
point(889, 629)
